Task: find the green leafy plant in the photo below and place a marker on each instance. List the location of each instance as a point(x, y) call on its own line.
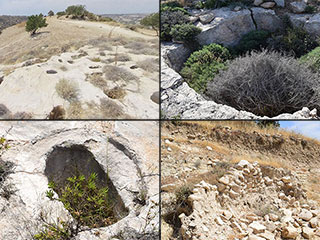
point(76, 10)
point(203, 65)
point(35, 22)
point(312, 59)
point(310, 9)
point(168, 20)
point(152, 21)
point(62, 231)
point(254, 40)
point(59, 14)
point(88, 203)
point(185, 32)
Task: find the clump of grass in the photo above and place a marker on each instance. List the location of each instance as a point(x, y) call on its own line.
point(95, 59)
point(182, 195)
point(110, 109)
point(75, 110)
point(97, 80)
point(116, 73)
point(115, 93)
point(102, 54)
point(67, 90)
point(89, 204)
point(141, 47)
point(63, 68)
point(123, 57)
point(149, 65)
point(54, 231)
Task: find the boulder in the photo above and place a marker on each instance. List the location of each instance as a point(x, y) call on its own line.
point(289, 232)
point(207, 18)
point(305, 215)
point(268, 5)
point(280, 3)
point(307, 232)
point(155, 97)
point(175, 54)
point(311, 23)
point(298, 7)
point(314, 222)
point(266, 19)
point(257, 227)
point(226, 28)
point(257, 2)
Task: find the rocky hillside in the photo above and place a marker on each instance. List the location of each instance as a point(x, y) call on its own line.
point(8, 21)
point(233, 180)
point(78, 69)
point(39, 161)
point(126, 18)
point(191, 28)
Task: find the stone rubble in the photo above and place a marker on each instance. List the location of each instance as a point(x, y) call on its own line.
point(256, 202)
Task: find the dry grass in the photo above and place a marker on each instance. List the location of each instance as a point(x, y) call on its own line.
point(149, 64)
point(97, 80)
point(115, 93)
point(142, 47)
point(63, 68)
point(95, 59)
point(115, 73)
point(249, 127)
point(111, 110)
point(67, 90)
point(263, 161)
point(75, 110)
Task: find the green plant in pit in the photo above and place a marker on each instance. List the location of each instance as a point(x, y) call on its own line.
point(182, 195)
point(54, 232)
point(185, 32)
point(89, 204)
point(202, 66)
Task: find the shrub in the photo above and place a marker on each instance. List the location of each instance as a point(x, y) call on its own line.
point(310, 9)
point(203, 65)
point(67, 90)
point(88, 203)
point(50, 13)
point(312, 59)
point(296, 40)
point(168, 20)
point(111, 109)
point(172, 4)
point(59, 14)
point(254, 40)
point(53, 232)
point(266, 84)
point(184, 32)
point(115, 93)
point(152, 21)
point(116, 73)
point(76, 10)
point(149, 64)
point(35, 22)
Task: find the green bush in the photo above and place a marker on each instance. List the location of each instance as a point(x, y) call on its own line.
point(168, 20)
point(310, 9)
point(88, 203)
point(50, 13)
point(312, 59)
point(172, 4)
point(76, 10)
point(35, 22)
point(152, 21)
point(59, 14)
point(202, 66)
point(184, 32)
point(254, 40)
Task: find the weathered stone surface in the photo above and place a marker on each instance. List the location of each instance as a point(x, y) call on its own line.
point(155, 97)
point(207, 18)
point(298, 7)
point(175, 54)
point(39, 149)
point(257, 2)
point(266, 19)
point(307, 232)
point(226, 28)
point(314, 222)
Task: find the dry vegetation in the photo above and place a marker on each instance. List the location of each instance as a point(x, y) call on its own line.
point(67, 90)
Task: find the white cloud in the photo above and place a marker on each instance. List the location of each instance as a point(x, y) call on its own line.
point(307, 128)
point(28, 7)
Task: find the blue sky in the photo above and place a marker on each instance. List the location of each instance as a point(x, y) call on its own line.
point(307, 128)
point(29, 7)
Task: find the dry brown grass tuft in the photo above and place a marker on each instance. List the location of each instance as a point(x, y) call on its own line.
point(63, 68)
point(75, 110)
point(149, 64)
point(97, 80)
point(115, 73)
point(111, 110)
point(115, 93)
point(142, 47)
point(67, 90)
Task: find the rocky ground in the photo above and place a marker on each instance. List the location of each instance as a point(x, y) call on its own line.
point(108, 71)
point(127, 151)
point(226, 26)
point(231, 180)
